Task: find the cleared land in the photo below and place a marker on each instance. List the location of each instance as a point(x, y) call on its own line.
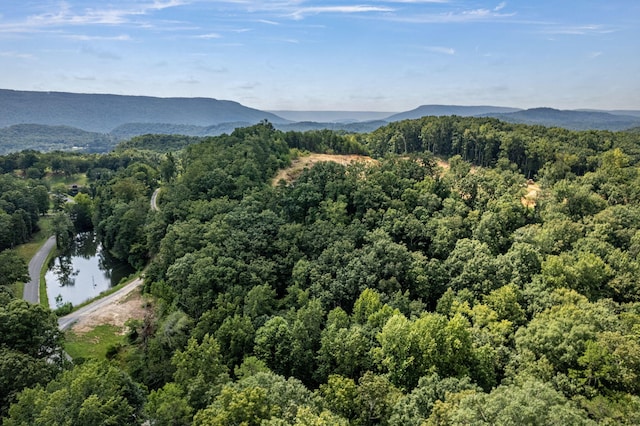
point(299, 164)
point(533, 190)
point(114, 310)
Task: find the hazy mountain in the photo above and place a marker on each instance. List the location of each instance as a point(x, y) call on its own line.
point(570, 119)
point(101, 113)
point(627, 112)
point(440, 110)
point(332, 116)
point(357, 127)
point(45, 138)
point(48, 121)
point(129, 130)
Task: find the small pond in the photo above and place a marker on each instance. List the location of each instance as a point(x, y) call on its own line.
point(82, 272)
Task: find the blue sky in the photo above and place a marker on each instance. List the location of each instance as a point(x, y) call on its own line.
point(377, 55)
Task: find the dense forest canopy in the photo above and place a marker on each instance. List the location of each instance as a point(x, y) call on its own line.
point(478, 272)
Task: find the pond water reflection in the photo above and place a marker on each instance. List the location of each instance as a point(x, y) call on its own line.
point(82, 272)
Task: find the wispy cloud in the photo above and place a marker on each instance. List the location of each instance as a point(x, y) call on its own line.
point(301, 12)
point(416, 1)
point(578, 29)
point(473, 15)
point(99, 53)
point(65, 15)
point(84, 37)
point(440, 49)
point(16, 55)
point(209, 36)
point(268, 22)
point(500, 6)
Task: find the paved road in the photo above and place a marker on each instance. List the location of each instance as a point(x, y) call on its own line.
point(68, 320)
point(154, 200)
point(32, 288)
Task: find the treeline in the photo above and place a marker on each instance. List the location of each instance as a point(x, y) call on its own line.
point(407, 291)
point(483, 141)
point(158, 143)
point(21, 203)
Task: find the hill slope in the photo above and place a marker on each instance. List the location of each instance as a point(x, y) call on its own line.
point(440, 110)
point(574, 120)
point(50, 138)
point(102, 113)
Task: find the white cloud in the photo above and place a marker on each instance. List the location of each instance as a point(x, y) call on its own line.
point(578, 29)
point(64, 15)
point(500, 6)
point(474, 15)
point(83, 37)
point(440, 49)
point(315, 10)
point(268, 22)
point(416, 1)
point(16, 55)
point(209, 36)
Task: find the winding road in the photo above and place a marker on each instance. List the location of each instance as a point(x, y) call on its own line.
point(154, 200)
point(32, 288)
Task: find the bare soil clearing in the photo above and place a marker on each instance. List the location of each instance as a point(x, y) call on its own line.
point(299, 164)
point(533, 190)
point(130, 306)
point(444, 165)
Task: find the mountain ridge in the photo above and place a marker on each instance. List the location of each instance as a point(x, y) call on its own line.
point(96, 122)
point(569, 119)
point(104, 112)
point(440, 110)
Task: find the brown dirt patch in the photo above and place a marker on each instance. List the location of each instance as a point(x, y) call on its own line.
point(299, 164)
point(533, 190)
point(444, 165)
point(131, 306)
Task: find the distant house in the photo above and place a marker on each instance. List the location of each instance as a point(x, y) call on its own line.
point(73, 190)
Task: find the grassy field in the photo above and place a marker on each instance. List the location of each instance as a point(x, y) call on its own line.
point(28, 250)
point(93, 344)
point(79, 179)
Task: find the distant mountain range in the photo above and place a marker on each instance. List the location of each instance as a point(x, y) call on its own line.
point(97, 122)
point(575, 120)
point(441, 110)
point(102, 113)
point(334, 116)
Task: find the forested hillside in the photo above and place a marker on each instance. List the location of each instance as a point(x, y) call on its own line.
point(478, 272)
point(103, 112)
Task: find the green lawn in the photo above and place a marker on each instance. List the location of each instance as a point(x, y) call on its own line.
point(28, 250)
point(93, 344)
point(79, 179)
